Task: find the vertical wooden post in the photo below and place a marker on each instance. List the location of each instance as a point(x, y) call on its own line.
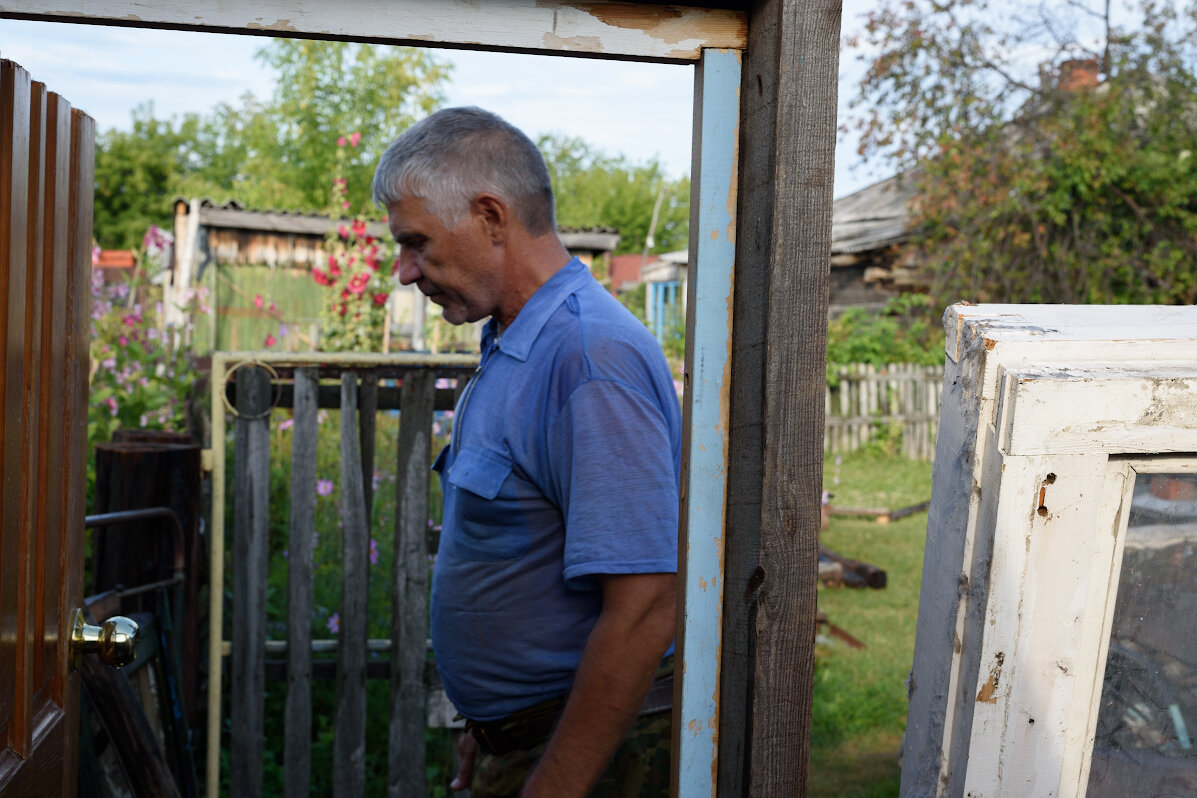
point(704, 448)
point(251, 486)
point(409, 602)
point(298, 744)
point(787, 135)
point(368, 403)
point(349, 741)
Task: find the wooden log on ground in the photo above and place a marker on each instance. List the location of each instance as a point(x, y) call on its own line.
point(855, 572)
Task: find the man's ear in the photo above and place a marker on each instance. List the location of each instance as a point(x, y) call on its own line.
point(494, 216)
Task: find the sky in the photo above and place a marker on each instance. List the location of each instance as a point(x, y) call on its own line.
point(641, 111)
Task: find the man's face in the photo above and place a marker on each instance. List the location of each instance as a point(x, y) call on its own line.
point(453, 267)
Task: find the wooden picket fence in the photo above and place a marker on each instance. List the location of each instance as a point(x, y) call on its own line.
point(864, 401)
point(257, 388)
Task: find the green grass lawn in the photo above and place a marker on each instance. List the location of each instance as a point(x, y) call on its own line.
point(860, 694)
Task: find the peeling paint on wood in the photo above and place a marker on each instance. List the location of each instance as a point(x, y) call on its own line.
point(1038, 400)
point(672, 33)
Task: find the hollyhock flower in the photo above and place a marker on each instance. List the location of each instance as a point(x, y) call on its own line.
point(270, 340)
point(320, 277)
point(357, 283)
point(341, 141)
point(354, 138)
point(345, 204)
point(324, 487)
point(359, 228)
point(258, 302)
point(343, 232)
point(335, 269)
point(380, 298)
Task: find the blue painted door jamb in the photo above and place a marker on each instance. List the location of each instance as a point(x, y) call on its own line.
point(708, 391)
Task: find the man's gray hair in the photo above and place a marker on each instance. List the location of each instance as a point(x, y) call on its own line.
point(455, 154)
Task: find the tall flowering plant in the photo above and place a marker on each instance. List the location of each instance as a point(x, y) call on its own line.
point(140, 374)
point(358, 273)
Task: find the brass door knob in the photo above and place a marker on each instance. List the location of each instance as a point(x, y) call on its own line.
point(115, 640)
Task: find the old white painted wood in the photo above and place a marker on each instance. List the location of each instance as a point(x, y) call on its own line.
point(654, 32)
point(1024, 532)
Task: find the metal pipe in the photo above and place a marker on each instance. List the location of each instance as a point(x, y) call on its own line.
point(178, 555)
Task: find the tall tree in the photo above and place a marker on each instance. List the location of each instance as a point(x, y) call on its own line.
point(1052, 160)
point(276, 153)
point(596, 189)
point(137, 172)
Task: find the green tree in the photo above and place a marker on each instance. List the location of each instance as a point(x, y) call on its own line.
point(274, 153)
point(137, 172)
point(595, 189)
point(1064, 178)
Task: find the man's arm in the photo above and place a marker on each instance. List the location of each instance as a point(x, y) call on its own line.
point(623, 651)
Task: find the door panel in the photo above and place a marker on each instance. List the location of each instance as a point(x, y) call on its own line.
point(46, 184)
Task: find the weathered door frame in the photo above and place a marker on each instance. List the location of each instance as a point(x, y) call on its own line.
point(766, 75)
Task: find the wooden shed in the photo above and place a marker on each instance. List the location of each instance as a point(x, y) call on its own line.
point(257, 267)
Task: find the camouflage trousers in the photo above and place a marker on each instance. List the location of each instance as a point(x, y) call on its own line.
point(640, 766)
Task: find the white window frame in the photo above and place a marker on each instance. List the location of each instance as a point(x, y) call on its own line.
point(1048, 412)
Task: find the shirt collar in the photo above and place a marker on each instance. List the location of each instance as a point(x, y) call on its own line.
point(518, 338)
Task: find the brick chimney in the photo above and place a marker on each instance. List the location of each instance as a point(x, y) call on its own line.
point(1078, 74)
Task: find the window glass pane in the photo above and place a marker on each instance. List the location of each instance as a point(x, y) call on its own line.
point(1148, 712)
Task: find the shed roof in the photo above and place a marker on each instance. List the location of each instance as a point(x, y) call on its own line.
point(232, 215)
point(873, 218)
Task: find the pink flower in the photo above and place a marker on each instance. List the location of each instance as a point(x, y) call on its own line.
point(380, 298)
point(111, 402)
point(258, 302)
point(359, 228)
point(95, 258)
point(357, 283)
point(341, 141)
point(354, 138)
point(345, 204)
point(286, 423)
point(123, 341)
point(273, 308)
point(270, 340)
point(320, 277)
point(324, 487)
point(343, 231)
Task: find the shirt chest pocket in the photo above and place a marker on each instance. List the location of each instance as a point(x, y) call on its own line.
point(490, 523)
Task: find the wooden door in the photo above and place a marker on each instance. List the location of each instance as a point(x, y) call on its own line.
point(46, 176)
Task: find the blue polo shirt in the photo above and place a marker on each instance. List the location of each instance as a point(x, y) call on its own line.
point(564, 463)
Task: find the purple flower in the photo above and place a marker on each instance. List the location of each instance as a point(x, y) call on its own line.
point(334, 623)
point(324, 487)
point(373, 551)
point(286, 423)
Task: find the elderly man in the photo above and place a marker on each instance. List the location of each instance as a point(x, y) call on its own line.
point(553, 597)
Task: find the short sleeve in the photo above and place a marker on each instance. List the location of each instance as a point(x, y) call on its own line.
point(616, 471)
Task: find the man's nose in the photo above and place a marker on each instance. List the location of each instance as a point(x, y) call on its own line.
point(409, 271)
